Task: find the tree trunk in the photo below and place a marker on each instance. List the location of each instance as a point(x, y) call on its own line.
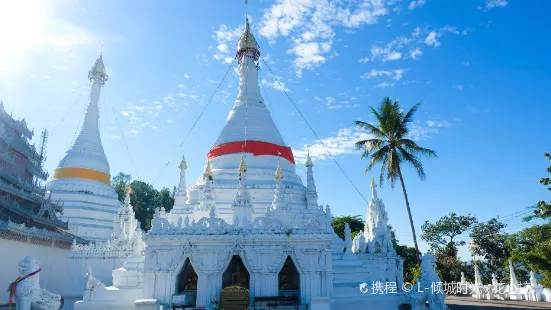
point(410, 217)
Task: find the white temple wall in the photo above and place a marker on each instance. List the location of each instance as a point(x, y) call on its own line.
point(102, 269)
point(52, 261)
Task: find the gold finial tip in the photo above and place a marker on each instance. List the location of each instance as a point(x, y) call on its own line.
point(373, 184)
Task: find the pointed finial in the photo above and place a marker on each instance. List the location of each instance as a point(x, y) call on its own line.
point(373, 184)
point(308, 159)
point(129, 189)
point(183, 164)
point(207, 173)
point(278, 173)
point(242, 165)
point(247, 42)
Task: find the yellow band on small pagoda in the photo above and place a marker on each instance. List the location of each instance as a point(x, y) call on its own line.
point(82, 173)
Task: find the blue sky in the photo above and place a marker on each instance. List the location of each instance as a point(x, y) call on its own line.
point(481, 68)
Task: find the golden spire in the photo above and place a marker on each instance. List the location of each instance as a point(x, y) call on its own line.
point(373, 184)
point(183, 164)
point(247, 40)
point(308, 160)
point(278, 173)
point(242, 165)
point(207, 173)
point(129, 189)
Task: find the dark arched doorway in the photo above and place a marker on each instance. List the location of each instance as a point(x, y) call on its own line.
point(289, 279)
point(236, 274)
point(186, 288)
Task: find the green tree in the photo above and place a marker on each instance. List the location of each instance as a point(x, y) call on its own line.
point(408, 255)
point(544, 208)
point(392, 147)
point(356, 225)
point(119, 183)
point(165, 199)
point(144, 199)
point(491, 239)
point(532, 247)
point(441, 234)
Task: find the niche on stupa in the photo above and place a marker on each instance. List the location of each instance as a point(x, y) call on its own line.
point(187, 284)
point(236, 274)
point(289, 279)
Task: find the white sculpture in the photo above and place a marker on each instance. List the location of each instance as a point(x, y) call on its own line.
point(431, 286)
point(494, 280)
point(91, 282)
point(463, 280)
point(26, 289)
point(533, 281)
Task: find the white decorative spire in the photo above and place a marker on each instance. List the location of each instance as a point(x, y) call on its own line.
point(180, 199)
point(87, 150)
point(513, 282)
point(279, 196)
point(311, 191)
point(207, 198)
point(373, 188)
point(241, 207)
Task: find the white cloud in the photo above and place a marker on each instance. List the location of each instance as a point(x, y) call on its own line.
point(186, 76)
point(465, 63)
point(225, 36)
point(277, 85)
point(169, 121)
point(394, 74)
point(416, 53)
point(416, 4)
point(384, 85)
point(394, 55)
point(60, 68)
point(431, 39)
point(460, 87)
point(311, 23)
point(490, 4)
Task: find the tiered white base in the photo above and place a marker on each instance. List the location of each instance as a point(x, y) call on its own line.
point(111, 298)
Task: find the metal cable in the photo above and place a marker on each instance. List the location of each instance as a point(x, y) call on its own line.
point(122, 134)
point(315, 134)
point(197, 120)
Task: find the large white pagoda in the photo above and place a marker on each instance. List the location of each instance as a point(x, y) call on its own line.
point(250, 228)
point(82, 180)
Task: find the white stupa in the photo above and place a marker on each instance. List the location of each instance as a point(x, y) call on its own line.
point(249, 129)
point(82, 180)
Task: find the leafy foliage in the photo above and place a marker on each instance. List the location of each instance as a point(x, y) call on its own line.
point(144, 198)
point(120, 183)
point(411, 268)
point(532, 247)
point(491, 245)
point(356, 225)
point(440, 237)
point(441, 234)
point(392, 147)
point(544, 208)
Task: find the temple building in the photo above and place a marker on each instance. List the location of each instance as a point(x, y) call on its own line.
point(82, 180)
point(250, 233)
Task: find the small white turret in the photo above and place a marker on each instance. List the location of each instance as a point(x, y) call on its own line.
point(241, 207)
point(311, 191)
point(208, 202)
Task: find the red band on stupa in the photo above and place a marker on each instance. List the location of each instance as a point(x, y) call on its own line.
point(256, 147)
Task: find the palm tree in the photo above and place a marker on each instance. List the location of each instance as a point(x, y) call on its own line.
point(392, 147)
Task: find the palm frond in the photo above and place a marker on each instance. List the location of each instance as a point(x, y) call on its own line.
point(408, 118)
point(414, 161)
point(393, 167)
point(370, 129)
point(370, 144)
point(413, 147)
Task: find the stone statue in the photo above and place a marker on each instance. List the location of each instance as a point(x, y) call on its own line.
point(533, 281)
point(494, 280)
point(463, 280)
point(400, 272)
point(27, 292)
point(91, 284)
point(430, 281)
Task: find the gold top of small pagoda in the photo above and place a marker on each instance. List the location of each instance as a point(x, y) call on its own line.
point(208, 171)
point(242, 165)
point(373, 184)
point(278, 173)
point(309, 162)
point(247, 40)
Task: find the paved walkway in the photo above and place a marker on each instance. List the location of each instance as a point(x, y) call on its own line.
point(468, 303)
